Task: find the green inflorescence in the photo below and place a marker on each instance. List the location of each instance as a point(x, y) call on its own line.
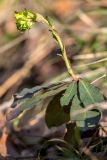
point(24, 20)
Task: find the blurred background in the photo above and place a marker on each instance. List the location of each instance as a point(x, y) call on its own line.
point(29, 59)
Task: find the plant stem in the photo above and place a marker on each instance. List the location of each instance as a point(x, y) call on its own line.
point(56, 36)
point(25, 20)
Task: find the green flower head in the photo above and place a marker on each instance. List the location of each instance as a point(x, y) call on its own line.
point(24, 20)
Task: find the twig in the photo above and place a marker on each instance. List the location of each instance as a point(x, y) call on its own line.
point(99, 78)
point(86, 19)
point(89, 153)
point(88, 64)
point(102, 105)
point(90, 56)
point(12, 43)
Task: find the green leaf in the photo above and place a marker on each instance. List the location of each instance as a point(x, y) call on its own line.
point(34, 97)
point(69, 94)
point(88, 93)
point(38, 92)
point(88, 124)
point(85, 119)
point(50, 23)
point(76, 106)
point(72, 135)
point(69, 154)
point(55, 114)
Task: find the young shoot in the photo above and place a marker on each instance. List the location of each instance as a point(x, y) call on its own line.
point(25, 20)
